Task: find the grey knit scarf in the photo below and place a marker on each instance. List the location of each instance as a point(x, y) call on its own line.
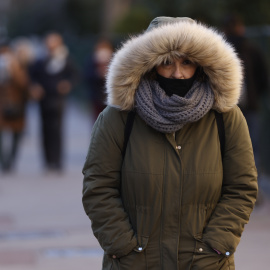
point(169, 114)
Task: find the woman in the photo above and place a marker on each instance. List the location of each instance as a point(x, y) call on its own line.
point(172, 202)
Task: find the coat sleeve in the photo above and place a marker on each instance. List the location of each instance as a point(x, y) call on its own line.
point(239, 190)
point(101, 186)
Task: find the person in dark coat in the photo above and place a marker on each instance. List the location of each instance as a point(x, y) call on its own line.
point(256, 82)
point(52, 79)
point(172, 201)
point(95, 75)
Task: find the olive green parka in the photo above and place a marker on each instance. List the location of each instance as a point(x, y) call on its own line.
point(173, 199)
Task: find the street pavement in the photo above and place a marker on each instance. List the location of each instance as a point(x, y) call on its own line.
point(42, 222)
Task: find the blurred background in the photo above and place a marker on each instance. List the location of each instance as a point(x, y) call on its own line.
point(53, 61)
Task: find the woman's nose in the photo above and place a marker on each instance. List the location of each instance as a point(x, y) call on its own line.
point(178, 72)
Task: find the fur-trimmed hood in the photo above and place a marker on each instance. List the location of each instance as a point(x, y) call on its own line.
point(199, 43)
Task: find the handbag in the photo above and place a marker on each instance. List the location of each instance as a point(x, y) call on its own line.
point(12, 112)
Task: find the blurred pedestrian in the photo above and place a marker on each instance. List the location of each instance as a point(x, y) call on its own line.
point(14, 93)
point(52, 78)
point(256, 81)
point(177, 192)
point(94, 72)
point(24, 52)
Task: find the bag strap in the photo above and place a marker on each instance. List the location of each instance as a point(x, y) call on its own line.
point(220, 126)
point(128, 128)
point(221, 131)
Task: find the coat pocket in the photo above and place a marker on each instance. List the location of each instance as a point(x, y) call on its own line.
point(136, 259)
point(204, 257)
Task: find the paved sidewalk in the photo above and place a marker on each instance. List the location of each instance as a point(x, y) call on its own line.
point(42, 222)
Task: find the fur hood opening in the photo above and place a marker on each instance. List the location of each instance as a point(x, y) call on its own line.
point(200, 44)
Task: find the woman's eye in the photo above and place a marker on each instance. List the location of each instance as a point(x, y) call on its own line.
point(187, 62)
point(168, 63)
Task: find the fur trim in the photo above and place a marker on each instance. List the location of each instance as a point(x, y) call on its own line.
point(200, 44)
